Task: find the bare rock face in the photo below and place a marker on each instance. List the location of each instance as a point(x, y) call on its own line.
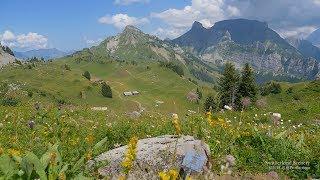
point(155, 155)
point(5, 57)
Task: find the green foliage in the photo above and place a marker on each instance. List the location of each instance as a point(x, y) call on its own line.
point(247, 86)
point(270, 87)
point(106, 90)
point(199, 93)
point(10, 101)
point(201, 75)
point(174, 67)
point(210, 105)
point(87, 75)
point(228, 86)
point(67, 67)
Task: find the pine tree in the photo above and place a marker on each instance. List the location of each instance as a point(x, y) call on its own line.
point(247, 86)
point(199, 94)
point(87, 75)
point(106, 90)
point(228, 86)
point(210, 104)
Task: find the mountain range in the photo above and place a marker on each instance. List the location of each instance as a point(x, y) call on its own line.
point(41, 53)
point(242, 40)
point(202, 51)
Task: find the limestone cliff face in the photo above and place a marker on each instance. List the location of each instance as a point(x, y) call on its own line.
point(6, 56)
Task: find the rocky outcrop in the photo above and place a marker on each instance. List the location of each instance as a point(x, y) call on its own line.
point(155, 155)
point(6, 56)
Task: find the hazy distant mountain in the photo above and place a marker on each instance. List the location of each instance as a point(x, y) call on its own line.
point(305, 47)
point(6, 55)
point(45, 53)
point(241, 41)
point(314, 37)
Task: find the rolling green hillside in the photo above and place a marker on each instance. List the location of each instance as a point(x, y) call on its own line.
point(51, 82)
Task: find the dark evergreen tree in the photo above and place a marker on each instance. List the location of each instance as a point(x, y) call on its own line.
point(199, 94)
point(106, 90)
point(247, 86)
point(87, 75)
point(210, 104)
point(228, 86)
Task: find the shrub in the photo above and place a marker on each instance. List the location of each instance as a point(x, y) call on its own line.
point(289, 90)
point(106, 90)
point(87, 75)
point(67, 67)
point(270, 87)
point(210, 104)
point(10, 101)
point(174, 67)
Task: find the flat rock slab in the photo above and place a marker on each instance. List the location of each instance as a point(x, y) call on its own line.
point(155, 155)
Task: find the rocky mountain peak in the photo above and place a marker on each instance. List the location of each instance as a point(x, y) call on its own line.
point(197, 25)
point(131, 29)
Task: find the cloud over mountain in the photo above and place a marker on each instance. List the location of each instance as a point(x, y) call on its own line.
point(30, 40)
point(122, 20)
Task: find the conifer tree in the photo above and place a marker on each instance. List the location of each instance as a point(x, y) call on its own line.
point(199, 93)
point(228, 86)
point(87, 75)
point(247, 86)
point(106, 90)
point(210, 104)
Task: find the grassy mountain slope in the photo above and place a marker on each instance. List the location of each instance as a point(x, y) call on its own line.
point(50, 82)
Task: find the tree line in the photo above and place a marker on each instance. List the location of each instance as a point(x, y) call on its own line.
point(238, 90)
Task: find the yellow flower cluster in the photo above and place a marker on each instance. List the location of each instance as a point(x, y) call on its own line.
point(53, 157)
point(14, 152)
point(90, 139)
point(176, 124)
point(214, 122)
point(130, 155)
point(169, 175)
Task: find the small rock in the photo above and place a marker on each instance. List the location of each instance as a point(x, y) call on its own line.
point(273, 175)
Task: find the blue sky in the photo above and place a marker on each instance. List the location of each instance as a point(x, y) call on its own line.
point(74, 24)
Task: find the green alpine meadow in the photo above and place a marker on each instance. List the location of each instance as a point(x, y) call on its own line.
point(159, 90)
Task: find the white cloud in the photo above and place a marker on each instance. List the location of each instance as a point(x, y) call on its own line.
point(205, 11)
point(26, 41)
point(168, 33)
point(300, 32)
point(128, 2)
point(92, 42)
point(317, 2)
point(122, 20)
point(7, 36)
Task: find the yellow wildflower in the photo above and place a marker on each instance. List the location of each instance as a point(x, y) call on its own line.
point(173, 174)
point(121, 177)
point(1, 151)
point(89, 139)
point(164, 176)
point(169, 175)
point(14, 152)
point(89, 155)
point(130, 155)
point(62, 176)
point(53, 157)
point(176, 124)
